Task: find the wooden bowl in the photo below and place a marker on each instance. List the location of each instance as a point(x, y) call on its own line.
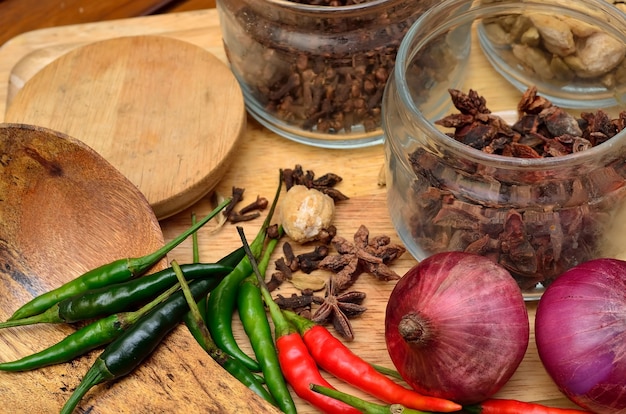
point(63, 210)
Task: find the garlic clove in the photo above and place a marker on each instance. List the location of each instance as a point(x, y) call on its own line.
point(305, 212)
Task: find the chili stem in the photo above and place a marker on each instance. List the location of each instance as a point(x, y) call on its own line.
point(365, 407)
point(114, 272)
point(281, 325)
point(388, 372)
point(96, 375)
point(222, 301)
point(141, 264)
point(195, 248)
point(193, 306)
point(194, 241)
point(132, 317)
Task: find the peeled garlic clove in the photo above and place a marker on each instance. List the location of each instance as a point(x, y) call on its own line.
point(305, 212)
point(599, 54)
point(556, 34)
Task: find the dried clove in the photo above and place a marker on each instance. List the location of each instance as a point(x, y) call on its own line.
point(260, 203)
point(247, 213)
point(236, 197)
point(300, 304)
point(309, 262)
point(326, 235)
point(295, 301)
point(276, 279)
point(283, 268)
point(273, 233)
point(325, 183)
point(331, 89)
point(236, 217)
point(290, 258)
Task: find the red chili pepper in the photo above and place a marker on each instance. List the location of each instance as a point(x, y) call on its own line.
point(300, 371)
point(504, 406)
point(337, 359)
point(296, 363)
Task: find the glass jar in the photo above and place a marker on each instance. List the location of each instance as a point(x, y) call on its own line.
point(316, 74)
point(452, 182)
point(566, 57)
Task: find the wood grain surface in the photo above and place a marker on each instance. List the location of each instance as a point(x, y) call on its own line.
point(259, 156)
point(64, 210)
point(166, 113)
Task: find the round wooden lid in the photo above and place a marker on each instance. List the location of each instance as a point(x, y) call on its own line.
point(166, 113)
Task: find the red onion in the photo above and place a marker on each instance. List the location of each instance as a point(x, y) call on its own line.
point(456, 327)
point(580, 330)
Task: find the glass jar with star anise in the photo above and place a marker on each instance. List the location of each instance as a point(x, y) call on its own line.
point(314, 71)
point(474, 164)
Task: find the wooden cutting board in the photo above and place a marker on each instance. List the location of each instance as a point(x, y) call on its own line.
point(165, 112)
point(196, 384)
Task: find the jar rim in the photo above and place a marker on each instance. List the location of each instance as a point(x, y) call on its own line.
point(320, 9)
point(467, 13)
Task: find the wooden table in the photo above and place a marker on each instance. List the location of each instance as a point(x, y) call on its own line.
point(255, 169)
point(20, 16)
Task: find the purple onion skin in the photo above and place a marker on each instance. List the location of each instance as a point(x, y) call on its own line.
point(476, 327)
point(580, 330)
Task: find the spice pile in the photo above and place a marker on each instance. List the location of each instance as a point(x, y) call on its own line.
point(537, 223)
point(561, 48)
point(336, 87)
point(542, 130)
point(352, 259)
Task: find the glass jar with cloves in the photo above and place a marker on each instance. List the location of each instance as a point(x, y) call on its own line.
point(315, 71)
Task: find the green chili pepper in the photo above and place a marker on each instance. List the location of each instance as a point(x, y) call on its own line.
point(198, 329)
point(114, 272)
point(92, 336)
point(127, 352)
point(196, 324)
point(223, 299)
point(297, 365)
point(118, 297)
point(253, 317)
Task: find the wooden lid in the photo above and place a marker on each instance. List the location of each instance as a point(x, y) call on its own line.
point(166, 113)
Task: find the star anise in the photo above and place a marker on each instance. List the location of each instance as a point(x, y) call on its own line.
point(337, 308)
point(364, 255)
